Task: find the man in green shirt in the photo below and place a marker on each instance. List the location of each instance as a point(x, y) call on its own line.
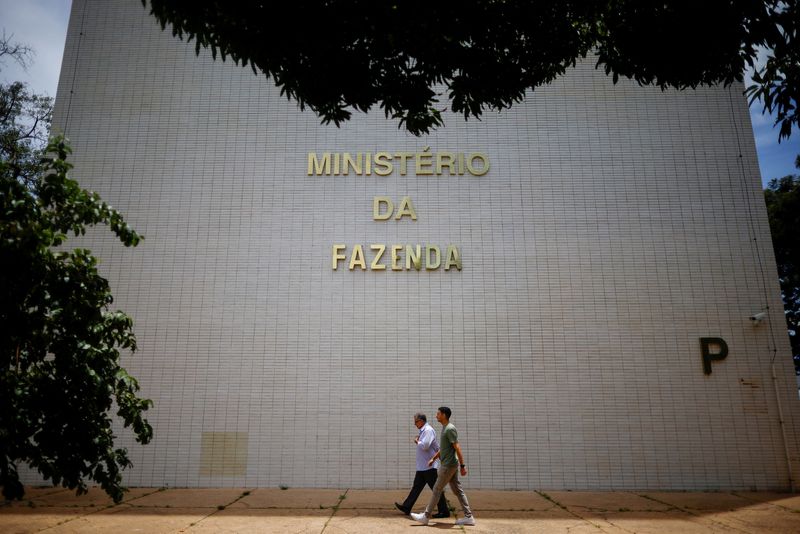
point(452, 458)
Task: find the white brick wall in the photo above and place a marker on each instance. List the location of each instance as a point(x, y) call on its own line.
point(617, 226)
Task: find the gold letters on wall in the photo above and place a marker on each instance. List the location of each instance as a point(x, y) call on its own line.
point(423, 163)
point(396, 257)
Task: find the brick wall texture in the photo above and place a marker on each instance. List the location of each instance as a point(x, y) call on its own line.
point(616, 227)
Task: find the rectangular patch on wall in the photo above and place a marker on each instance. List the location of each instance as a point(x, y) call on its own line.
point(223, 453)
point(753, 399)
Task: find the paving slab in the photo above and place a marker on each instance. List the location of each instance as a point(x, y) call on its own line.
point(189, 498)
point(95, 498)
point(36, 496)
point(289, 498)
point(785, 500)
point(485, 500)
point(749, 512)
point(128, 519)
point(62, 497)
point(644, 522)
point(377, 499)
point(759, 518)
point(700, 501)
point(262, 521)
point(19, 520)
point(355, 521)
point(622, 511)
point(554, 521)
point(605, 501)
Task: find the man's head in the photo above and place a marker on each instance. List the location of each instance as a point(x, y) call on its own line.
point(443, 414)
point(420, 420)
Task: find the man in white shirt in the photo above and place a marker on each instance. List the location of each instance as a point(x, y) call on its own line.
point(427, 447)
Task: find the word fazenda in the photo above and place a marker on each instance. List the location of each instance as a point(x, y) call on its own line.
point(399, 257)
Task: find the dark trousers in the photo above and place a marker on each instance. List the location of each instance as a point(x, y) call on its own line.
point(420, 480)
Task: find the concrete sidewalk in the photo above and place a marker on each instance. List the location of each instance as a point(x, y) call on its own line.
point(332, 511)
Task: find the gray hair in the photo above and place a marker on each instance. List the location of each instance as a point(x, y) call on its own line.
point(421, 417)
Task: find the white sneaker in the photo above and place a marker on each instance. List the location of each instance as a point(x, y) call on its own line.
point(422, 518)
point(466, 522)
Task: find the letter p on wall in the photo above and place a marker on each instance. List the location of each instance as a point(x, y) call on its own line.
point(721, 352)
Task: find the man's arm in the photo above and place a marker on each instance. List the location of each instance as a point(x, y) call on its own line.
point(435, 456)
point(462, 463)
point(426, 439)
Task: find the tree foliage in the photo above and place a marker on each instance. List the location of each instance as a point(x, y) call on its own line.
point(417, 59)
point(60, 372)
point(24, 119)
point(24, 127)
point(783, 206)
point(777, 83)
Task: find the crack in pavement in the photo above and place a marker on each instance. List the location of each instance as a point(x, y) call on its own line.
point(552, 500)
point(335, 508)
point(693, 514)
point(219, 508)
point(99, 509)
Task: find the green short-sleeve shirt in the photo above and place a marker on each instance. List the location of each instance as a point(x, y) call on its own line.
point(447, 452)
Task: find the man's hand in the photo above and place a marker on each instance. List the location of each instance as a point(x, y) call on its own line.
point(463, 471)
point(430, 462)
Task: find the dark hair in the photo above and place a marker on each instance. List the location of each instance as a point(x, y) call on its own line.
point(420, 417)
point(446, 411)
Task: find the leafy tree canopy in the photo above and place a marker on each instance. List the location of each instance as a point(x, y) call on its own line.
point(60, 372)
point(783, 206)
point(24, 119)
point(417, 59)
